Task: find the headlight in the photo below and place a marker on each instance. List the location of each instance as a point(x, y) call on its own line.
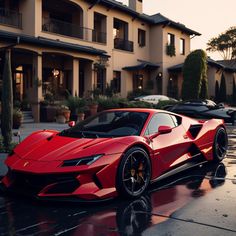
point(82, 161)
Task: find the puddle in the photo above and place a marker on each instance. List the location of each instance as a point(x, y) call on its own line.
point(118, 217)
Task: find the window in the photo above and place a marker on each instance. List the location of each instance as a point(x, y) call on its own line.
point(120, 29)
point(159, 120)
point(182, 46)
point(116, 82)
point(171, 39)
point(99, 24)
point(141, 37)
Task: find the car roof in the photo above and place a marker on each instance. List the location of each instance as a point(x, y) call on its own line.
point(147, 110)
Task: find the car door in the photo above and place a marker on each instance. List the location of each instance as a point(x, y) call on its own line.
point(169, 149)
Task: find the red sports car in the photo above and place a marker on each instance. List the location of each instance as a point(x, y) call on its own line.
point(117, 152)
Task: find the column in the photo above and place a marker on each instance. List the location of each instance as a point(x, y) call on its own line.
point(37, 85)
point(75, 77)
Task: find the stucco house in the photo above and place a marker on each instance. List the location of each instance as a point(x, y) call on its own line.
point(76, 46)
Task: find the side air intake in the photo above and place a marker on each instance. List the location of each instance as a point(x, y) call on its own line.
point(194, 130)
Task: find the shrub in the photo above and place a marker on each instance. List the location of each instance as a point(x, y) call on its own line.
point(194, 72)
point(17, 118)
point(106, 103)
point(137, 93)
point(204, 90)
point(3, 149)
point(49, 98)
point(222, 93)
point(217, 91)
point(7, 101)
point(76, 104)
point(17, 104)
point(234, 92)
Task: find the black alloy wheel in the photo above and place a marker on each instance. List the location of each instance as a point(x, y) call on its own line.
point(134, 173)
point(220, 145)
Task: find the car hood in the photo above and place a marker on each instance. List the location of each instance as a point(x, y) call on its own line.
point(48, 146)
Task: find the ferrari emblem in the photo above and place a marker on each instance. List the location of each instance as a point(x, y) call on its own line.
point(26, 163)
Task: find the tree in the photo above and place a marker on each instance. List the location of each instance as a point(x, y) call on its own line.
point(225, 44)
point(7, 101)
point(223, 93)
point(217, 91)
point(234, 92)
point(204, 90)
point(194, 72)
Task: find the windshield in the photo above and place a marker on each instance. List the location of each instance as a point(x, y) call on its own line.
point(109, 124)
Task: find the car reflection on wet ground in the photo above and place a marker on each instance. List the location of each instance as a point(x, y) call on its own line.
point(200, 201)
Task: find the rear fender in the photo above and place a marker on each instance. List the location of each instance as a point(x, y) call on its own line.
point(205, 139)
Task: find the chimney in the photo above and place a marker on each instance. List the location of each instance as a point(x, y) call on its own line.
point(136, 5)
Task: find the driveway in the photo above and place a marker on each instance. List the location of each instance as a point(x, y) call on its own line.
point(200, 201)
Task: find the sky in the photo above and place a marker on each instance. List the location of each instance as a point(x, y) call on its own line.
point(208, 17)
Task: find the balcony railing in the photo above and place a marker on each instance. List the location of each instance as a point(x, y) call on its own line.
point(10, 18)
point(99, 37)
point(123, 44)
point(72, 30)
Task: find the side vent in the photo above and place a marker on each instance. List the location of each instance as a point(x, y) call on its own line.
point(193, 150)
point(194, 130)
point(50, 137)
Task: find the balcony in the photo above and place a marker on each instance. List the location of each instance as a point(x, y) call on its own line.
point(123, 44)
point(72, 30)
point(10, 18)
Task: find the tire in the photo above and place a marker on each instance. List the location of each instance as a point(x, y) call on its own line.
point(220, 145)
point(134, 173)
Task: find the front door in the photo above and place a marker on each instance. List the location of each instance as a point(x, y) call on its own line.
point(169, 149)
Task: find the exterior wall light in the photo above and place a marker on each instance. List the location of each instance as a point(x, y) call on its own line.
point(55, 72)
point(159, 75)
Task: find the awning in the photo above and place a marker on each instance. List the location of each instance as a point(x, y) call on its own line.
point(176, 68)
point(144, 65)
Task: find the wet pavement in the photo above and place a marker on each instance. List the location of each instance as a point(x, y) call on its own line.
point(200, 201)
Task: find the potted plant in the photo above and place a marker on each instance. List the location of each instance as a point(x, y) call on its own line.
point(17, 118)
point(48, 108)
point(66, 112)
point(93, 106)
point(60, 118)
point(76, 105)
point(80, 114)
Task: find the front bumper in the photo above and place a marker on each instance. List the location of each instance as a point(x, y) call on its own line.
point(90, 183)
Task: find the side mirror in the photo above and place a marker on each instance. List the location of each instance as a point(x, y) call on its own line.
point(161, 130)
point(71, 124)
point(164, 129)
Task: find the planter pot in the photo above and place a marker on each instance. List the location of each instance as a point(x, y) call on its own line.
point(66, 114)
point(80, 117)
point(51, 113)
point(17, 123)
point(93, 109)
point(61, 119)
